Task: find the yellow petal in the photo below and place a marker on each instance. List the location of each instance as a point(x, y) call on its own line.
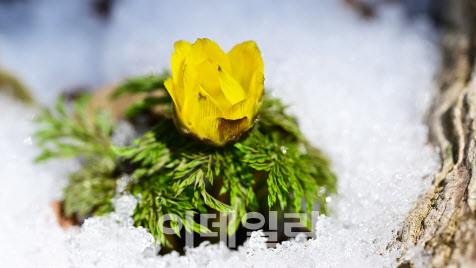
point(224, 130)
point(202, 107)
point(191, 88)
point(207, 75)
point(207, 50)
point(183, 123)
point(220, 101)
point(175, 92)
point(207, 129)
point(242, 109)
point(256, 85)
point(182, 49)
point(232, 90)
point(245, 60)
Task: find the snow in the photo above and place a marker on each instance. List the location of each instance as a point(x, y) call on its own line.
point(112, 240)
point(29, 233)
point(359, 89)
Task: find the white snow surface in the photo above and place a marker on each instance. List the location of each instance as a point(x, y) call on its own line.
point(359, 89)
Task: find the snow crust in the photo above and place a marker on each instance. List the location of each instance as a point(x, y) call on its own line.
point(359, 89)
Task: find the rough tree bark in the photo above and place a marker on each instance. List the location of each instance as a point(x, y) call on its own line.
point(443, 220)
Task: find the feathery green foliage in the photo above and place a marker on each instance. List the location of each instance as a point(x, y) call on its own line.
point(173, 174)
point(146, 84)
point(65, 136)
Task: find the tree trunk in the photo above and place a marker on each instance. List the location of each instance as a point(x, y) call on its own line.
point(443, 220)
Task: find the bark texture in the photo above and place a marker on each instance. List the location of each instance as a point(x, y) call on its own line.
point(443, 220)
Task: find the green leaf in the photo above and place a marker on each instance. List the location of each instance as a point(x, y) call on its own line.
point(142, 84)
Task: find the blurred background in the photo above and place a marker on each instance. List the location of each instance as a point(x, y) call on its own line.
point(56, 46)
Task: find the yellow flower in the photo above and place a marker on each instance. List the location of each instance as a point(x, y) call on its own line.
point(216, 95)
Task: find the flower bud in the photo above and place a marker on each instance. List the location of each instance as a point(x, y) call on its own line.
point(216, 95)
